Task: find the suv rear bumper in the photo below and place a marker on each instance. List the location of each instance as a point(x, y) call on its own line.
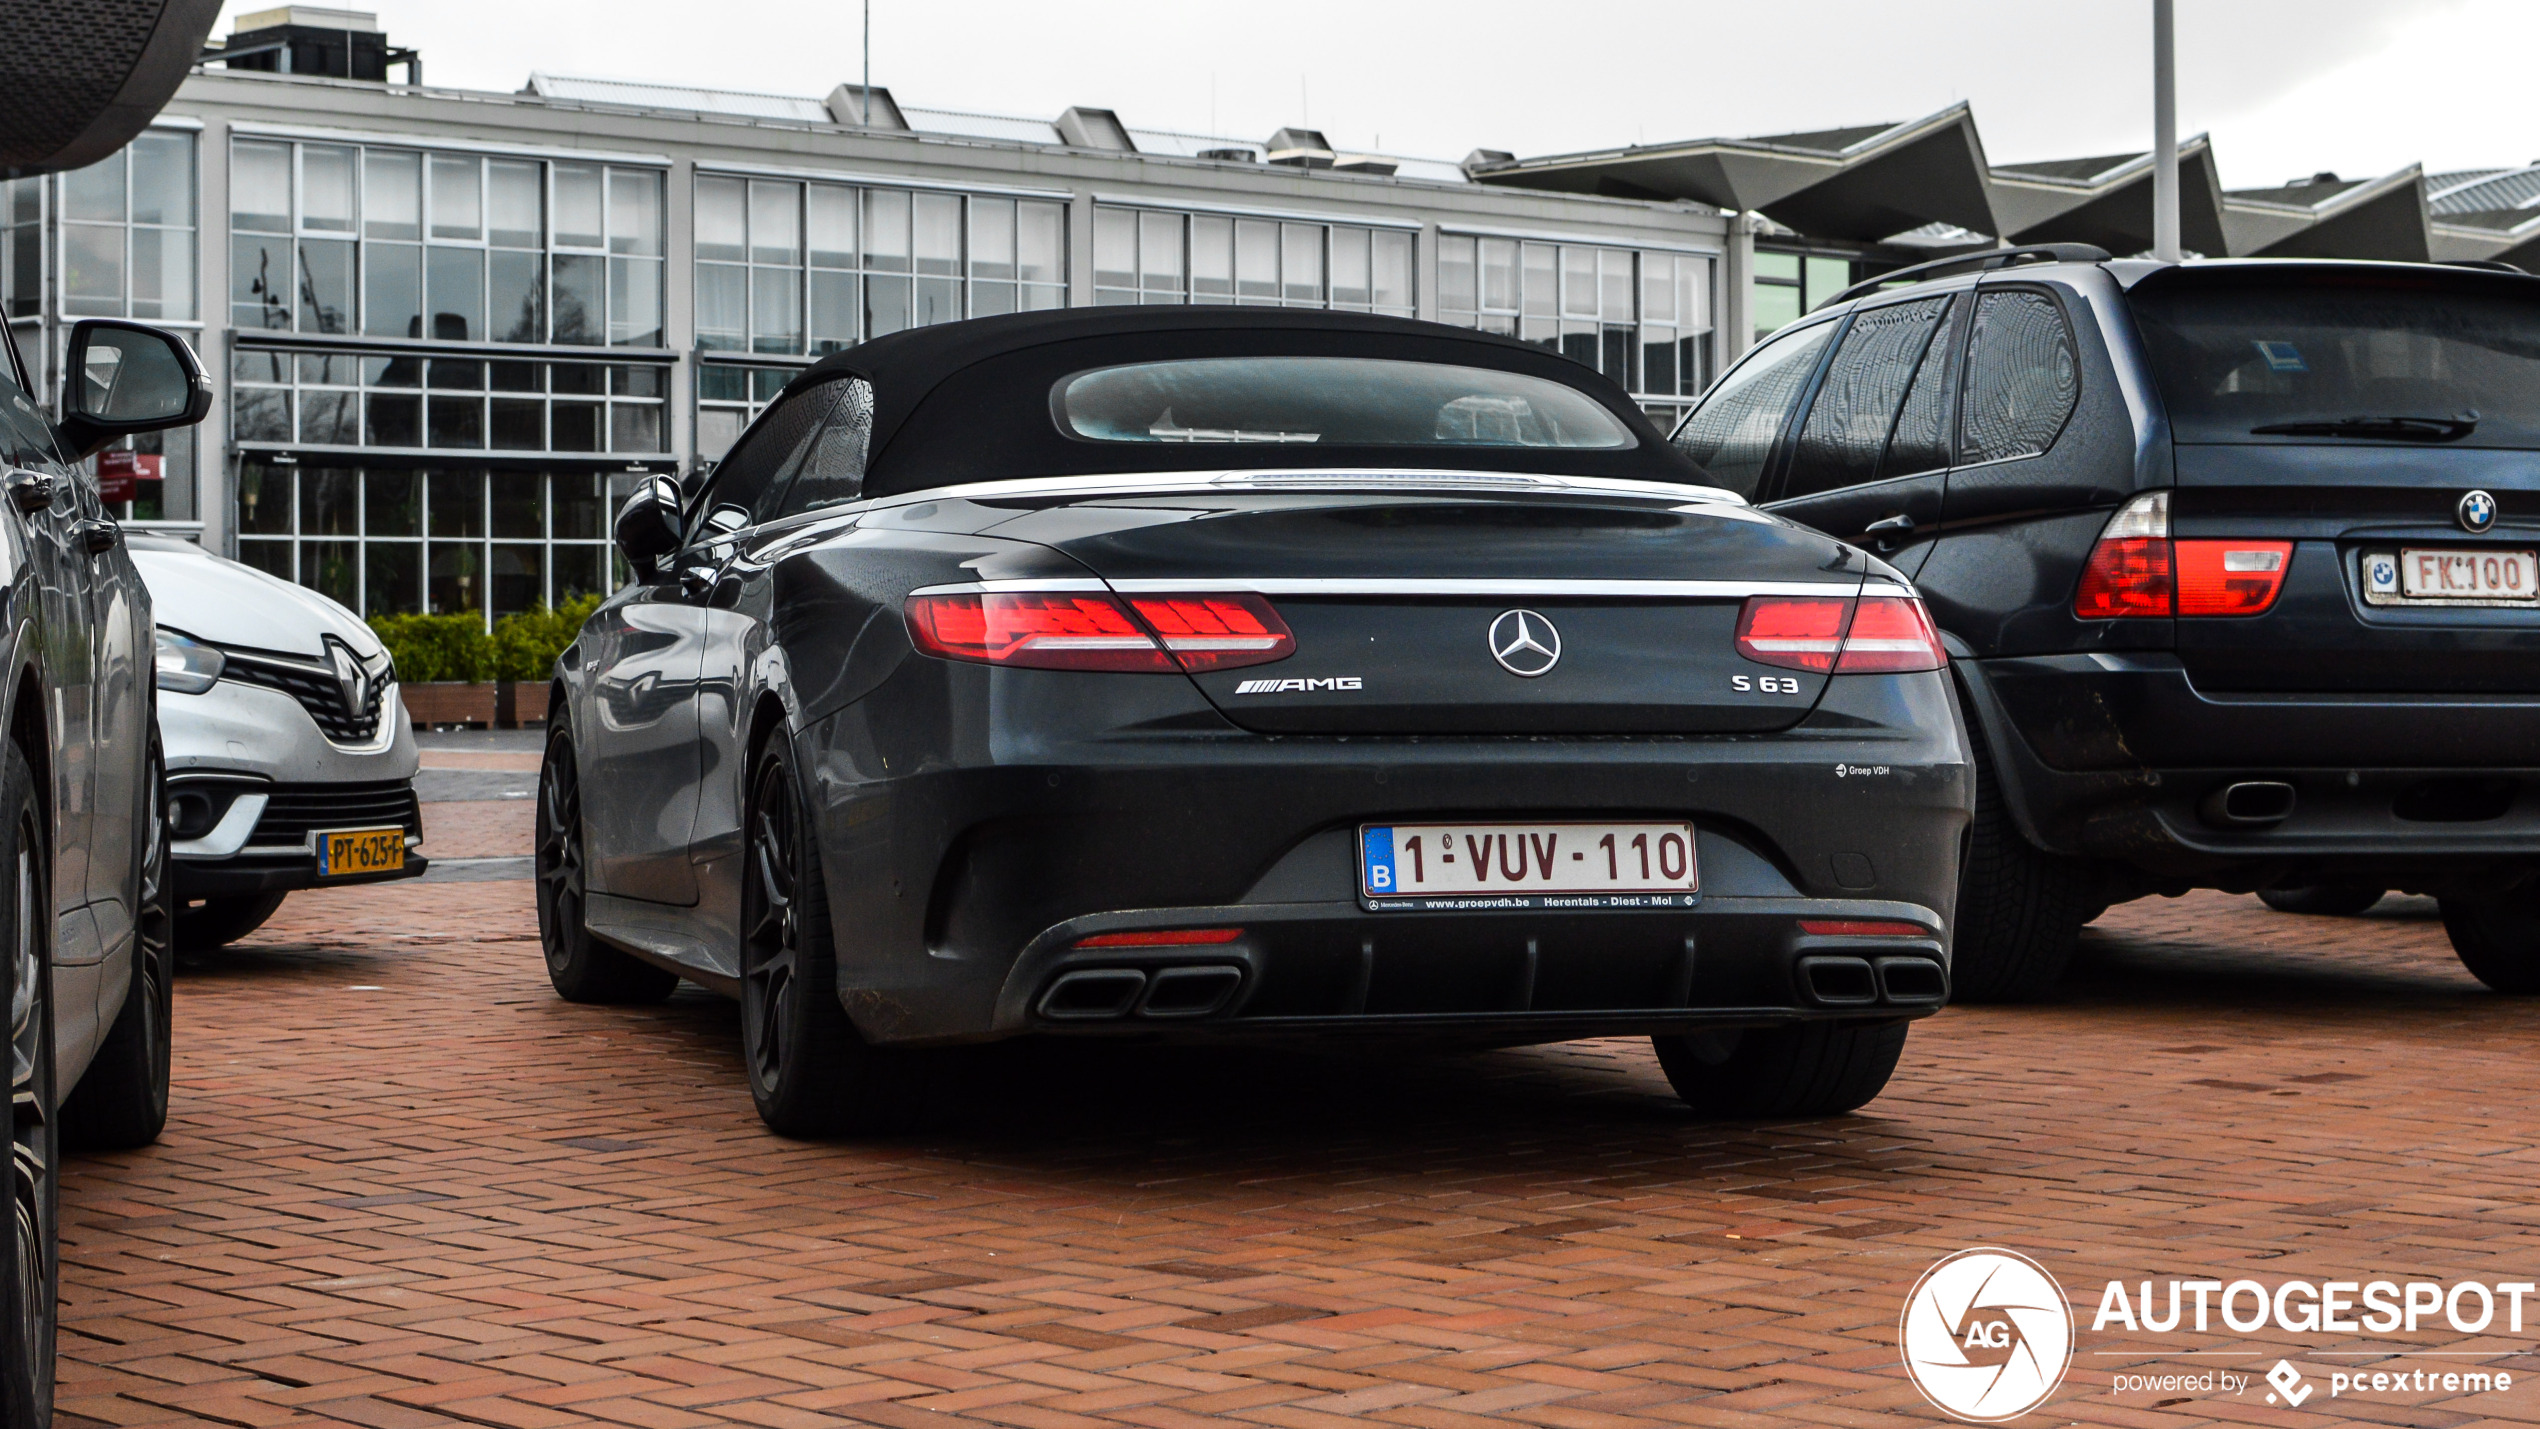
point(2117, 757)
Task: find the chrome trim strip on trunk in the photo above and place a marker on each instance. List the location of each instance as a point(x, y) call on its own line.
point(1315, 479)
point(1425, 586)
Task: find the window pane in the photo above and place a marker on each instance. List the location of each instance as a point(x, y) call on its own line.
point(458, 197)
point(1540, 283)
point(163, 275)
point(722, 305)
point(937, 220)
point(776, 223)
point(1614, 285)
point(718, 382)
point(515, 203)
point(1776, 307)
point(520, 578)
point(833, 311)
point(989, 299)
point(455, 286)
point(331, 418)
point(886, 231)
point(457, 374)
point(2021, 381)
point(1160, 255)
point(264, 500)
point(1657, 288)
point(271, 557)
point(392, 195)
point(1693, 293)
point(326, 188)
point(577, 210)
point(520, 506)
point(886, 302)
point(635, 302)
point(580, 507)
point(457, 582)
point(333, 570)
point(326, 285)
point(260, 414)
point(1827, 277)
point(992, 238)
point(392, 290)
point(574, 427)
point(95, 192)
point(1212, 260)
point(260, 187)
point(1856, 404)
point(392, 503)
point(776, 310)
point(635, 213)
point(1733, 431)
point(722, 232)
point(1777, 265)
point(455, 421)
point(578, 571)
point(1301, 262)
point(1041, 242)
point(1393, 272)
point(392, 577)
point(938, 301)
point(1578, 282)
point(580, 307)
point(92, 269)
point(1499, 275)
point(1256, 261)
point(1658, 359)
point(717, 429)
point(635, 379)
point(515, 301)
point(1921, 440)
point(457, 503)
point(518, 425)
point(395, 421)
point(1455, 274)
point(328, 500)
point(829, 217)
point(577, 377)
point(1349, 267)
point(635, 427)
point(1115, 248)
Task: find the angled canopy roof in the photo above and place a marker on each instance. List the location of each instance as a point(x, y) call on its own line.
point(2330, 217)
point(2107, 201)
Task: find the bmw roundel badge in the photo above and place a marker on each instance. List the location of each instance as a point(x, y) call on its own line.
point(2476, 512)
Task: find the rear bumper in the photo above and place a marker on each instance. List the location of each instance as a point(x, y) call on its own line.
point(961, 892)
point(2119, 757)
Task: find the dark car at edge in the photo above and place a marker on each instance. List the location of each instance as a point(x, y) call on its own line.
point(1217, 673)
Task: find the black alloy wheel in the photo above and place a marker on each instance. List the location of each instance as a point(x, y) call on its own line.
point(582, 968)
point(811, 1073)
point(2497, 939)
point(1781, 1073)
point(121, 1102)
point(29, 1263)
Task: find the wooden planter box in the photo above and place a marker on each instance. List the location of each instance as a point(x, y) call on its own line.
point(446, 702)
point(524, 702)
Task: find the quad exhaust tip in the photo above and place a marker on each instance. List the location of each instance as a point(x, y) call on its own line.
point(1109, 994)
point(2248, 804)
point(1833, 980)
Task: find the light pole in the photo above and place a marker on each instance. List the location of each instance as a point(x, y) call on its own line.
point(2164, 133)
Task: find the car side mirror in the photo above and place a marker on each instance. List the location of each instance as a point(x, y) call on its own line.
point(125, 378)
point(648, 525)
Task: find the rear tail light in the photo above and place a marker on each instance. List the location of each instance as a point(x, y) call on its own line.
point(1876, 634)
point(1093, 630)
point(2230, 577)
point(1162, 938)
point(2136, 569)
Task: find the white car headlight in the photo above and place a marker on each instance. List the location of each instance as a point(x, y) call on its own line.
point(186, 665)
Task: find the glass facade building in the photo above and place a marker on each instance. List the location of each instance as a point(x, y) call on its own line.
point(1640, 317)
point(1148, 255)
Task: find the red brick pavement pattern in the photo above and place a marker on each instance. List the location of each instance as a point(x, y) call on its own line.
point(406, 1186)
point(480, 828)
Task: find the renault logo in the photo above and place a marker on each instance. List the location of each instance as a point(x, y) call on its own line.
point(350, 678)
point(2476, 512)
point(1524, 643)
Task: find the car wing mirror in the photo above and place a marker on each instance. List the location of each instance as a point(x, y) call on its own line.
point(125, 378)
point(648, 525)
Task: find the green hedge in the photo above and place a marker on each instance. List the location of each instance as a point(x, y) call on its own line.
point(456, 647)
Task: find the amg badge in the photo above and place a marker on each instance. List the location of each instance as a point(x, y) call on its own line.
point(1281, 687)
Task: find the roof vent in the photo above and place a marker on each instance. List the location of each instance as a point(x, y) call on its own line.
point(853, 105)
point(2324, 176)
point(1300, 149)
point(1486, 159)
point(308, 39)
point(1364, 164)
point(1084, 128)
point(1232, 156)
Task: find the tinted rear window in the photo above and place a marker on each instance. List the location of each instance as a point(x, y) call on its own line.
point(2232, 354)
point(1350, 401)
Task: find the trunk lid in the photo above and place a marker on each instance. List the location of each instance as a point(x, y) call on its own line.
point(1616, 615)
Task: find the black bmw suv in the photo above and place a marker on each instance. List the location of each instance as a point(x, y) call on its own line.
point(2239, 562)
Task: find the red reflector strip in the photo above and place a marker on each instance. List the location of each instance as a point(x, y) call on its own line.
point(1161, 938)
point(1861, 928)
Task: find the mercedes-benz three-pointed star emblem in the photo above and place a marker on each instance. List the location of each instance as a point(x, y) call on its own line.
point(1524, 643)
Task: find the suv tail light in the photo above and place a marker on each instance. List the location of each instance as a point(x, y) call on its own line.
point(2137, 570)
point(1093, 630)
point(1876, 634)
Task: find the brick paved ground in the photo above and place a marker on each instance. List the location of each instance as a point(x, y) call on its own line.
point(406, 1186)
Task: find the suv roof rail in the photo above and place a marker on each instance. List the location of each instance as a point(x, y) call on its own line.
point(1976, 262)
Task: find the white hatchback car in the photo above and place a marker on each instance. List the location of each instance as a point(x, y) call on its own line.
point(290, 761)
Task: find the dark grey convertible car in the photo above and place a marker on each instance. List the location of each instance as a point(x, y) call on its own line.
point(1245, 673)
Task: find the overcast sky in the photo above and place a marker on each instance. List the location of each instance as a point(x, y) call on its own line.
point(2286, 87)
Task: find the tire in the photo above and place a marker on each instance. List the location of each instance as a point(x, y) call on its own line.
point(581, 967)
point(122, 1099)
point(2020, 908)
point(2498, 940)
point(811, 1073)
point(219, 922)
point(1781, 1073)
point(2330, 900)
point(30, 1264)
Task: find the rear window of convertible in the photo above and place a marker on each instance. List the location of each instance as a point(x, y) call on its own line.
point(1347, 401)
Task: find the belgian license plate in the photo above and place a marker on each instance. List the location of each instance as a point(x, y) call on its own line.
point(1448, 867)
point(2453, 573)
point(355, 851)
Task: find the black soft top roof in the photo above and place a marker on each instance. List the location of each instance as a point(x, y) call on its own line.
point(970, 401)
